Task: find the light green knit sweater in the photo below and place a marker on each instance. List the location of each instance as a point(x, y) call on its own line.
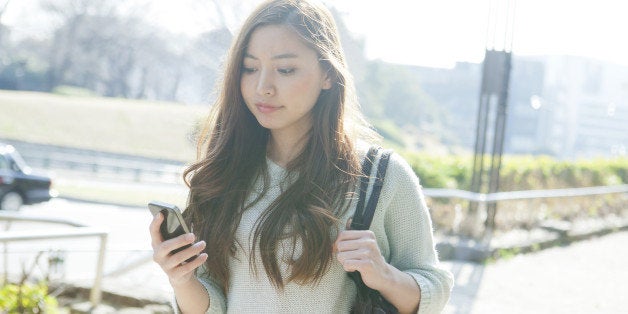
point(403, 229)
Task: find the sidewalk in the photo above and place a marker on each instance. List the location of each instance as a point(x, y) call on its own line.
point(585, 277)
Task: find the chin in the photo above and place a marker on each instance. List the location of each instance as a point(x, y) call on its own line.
point(267, 124)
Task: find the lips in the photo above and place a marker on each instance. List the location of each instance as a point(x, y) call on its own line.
point(266, 108)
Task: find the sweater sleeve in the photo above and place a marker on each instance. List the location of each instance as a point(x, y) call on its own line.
point(217, 300)
point(408, 228)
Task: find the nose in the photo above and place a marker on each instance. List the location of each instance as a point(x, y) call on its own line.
point(265, 84)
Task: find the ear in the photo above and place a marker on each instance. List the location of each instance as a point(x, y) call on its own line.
point(326, 81)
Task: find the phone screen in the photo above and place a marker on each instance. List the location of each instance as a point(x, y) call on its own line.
point(172, 228)
point(173, 224)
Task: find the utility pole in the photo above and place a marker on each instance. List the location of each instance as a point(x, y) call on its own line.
point(492, 111)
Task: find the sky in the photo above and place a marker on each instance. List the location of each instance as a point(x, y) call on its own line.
point(430, 33)
point(439, 33)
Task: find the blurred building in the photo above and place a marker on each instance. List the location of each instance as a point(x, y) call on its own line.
point(580, 109)
point(563, 106)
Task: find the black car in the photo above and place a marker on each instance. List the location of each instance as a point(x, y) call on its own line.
point(18, 185)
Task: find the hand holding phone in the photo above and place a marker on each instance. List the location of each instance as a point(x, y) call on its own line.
point(173, 224)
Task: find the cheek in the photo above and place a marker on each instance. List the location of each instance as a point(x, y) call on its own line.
point(307, 87)
point(245, 89)
point(245, 92)
point(243, 86)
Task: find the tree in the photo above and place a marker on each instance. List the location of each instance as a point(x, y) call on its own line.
point(3, 9)
point(64, 52)
point(113, 54)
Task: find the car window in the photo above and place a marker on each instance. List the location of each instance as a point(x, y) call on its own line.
point(18, 163)
point(4, 164)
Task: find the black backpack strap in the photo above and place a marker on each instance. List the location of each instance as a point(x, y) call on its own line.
point(369, 300)
point(364, 214)
point(367, 164)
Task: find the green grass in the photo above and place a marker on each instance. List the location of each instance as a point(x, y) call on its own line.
point(142, 128)
point(135, 127)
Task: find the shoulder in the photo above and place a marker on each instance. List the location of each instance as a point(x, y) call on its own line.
point(399, 175)
point(398, 169)
point(400, 172)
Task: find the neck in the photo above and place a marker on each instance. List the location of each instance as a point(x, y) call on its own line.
point(283, 149)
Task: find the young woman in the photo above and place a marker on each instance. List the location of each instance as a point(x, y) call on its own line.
point(274, 188)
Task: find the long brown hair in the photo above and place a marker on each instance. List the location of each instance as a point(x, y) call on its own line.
point(232, 156)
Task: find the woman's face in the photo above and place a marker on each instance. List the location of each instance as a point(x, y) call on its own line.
point(281, 80)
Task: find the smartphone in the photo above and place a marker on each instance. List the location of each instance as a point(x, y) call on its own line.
point(173, 224)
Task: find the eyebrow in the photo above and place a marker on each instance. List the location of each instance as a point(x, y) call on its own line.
point(280, 56)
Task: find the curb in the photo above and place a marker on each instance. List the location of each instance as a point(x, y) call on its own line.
point(473, 251)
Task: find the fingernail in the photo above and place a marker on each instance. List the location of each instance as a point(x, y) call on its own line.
point(189, 237)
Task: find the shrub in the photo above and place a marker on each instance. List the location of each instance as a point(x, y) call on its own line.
point(27, 298)
point(520, 172)
point(524, 173)
point(452, 172)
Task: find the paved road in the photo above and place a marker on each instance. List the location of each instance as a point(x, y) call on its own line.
point(585, 277)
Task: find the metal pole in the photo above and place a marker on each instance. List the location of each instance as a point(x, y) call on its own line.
point(5, 246)
point(493, 105)
point(95, 295)
point(480, 141)
point(80, 231)
point(498, 143)
point(477, 177)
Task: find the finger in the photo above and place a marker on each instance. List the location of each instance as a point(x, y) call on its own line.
point(360, 254)
point(164, 248)
point(164, 257)
point(182, 270)
point(357, 265)
point(194, 264)
point(156, 237)
point(342, 237)
point(181, 257)
point(357, 244)
point(355, 234)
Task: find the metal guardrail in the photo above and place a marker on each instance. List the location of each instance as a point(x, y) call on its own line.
point(122, 166)
point(492, 198)
point(78, 231)
point(138, 170)
point(479, 251)
point(521, 195)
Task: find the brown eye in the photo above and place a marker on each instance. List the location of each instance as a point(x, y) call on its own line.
point(248, 70)
point(286, 71)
